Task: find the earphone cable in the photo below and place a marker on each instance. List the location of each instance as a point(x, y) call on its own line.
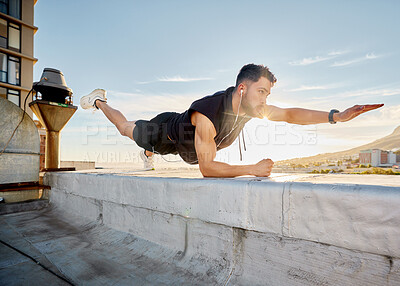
point(233, 128)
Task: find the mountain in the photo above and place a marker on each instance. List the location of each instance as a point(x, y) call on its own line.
point(389, 142)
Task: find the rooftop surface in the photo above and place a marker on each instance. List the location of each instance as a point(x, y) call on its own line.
point(46, 248)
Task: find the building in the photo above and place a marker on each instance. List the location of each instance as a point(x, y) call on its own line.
point(377, 158)
point(16, 50)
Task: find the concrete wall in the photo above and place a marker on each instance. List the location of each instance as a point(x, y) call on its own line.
point(263, 232)
point(20, 160)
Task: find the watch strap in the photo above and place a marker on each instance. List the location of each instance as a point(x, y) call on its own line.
point(331, 121)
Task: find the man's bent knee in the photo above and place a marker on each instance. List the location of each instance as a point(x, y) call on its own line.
point(126, 128)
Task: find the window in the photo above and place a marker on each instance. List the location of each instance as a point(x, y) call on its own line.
point(11, 7)
point(10, 94)
point(13, 96)
point(13, 70)
point(14, 8)
point(3, 67)
point(10, 35)
point(10, 69)
point(4, 6)
point(14, 33)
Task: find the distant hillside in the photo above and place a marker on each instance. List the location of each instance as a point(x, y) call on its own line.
point(389, 142)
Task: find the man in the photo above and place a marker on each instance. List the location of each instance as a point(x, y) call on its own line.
point(214, 122)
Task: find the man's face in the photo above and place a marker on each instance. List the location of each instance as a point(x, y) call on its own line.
point(255, 97)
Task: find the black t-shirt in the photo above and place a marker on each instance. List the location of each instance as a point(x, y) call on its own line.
point(218, 108)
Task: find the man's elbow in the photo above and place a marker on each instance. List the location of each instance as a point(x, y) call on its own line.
point(206, 169)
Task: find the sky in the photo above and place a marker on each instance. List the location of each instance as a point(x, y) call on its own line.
point(157, 56)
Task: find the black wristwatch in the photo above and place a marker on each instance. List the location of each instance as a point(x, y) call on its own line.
point(331, 121)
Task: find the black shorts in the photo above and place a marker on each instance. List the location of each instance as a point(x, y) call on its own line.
point(152, 134)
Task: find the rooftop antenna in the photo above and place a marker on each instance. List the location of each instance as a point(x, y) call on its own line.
point(53, 107)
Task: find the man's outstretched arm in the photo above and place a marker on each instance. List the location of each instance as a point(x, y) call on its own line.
point(306, 116)
point(206, 151)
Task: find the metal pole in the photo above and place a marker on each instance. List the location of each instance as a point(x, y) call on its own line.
point(52, 158)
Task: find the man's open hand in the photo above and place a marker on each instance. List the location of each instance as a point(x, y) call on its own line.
point(263, 168)
point(354, 111)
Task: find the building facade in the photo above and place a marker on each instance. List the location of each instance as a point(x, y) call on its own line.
point(377, 158)
point(17, 32)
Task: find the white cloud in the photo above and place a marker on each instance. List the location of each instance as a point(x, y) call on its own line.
point(144, 82)
point(310, 87)
point(369, 56)
point(309, 61)
point(224, 70)
point(337, 53)
point(317, 59)
point(176, 79)
point(182, 79)
point(346, 63)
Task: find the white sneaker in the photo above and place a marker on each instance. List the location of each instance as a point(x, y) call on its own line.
point(148, 161)
point(87, 101)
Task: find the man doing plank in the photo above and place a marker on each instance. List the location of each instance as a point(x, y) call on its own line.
point(214, 122)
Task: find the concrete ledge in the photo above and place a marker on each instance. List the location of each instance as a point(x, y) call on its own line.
point(332, 230)
point(359, 217)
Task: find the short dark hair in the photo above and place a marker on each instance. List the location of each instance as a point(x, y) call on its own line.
point(254, 72)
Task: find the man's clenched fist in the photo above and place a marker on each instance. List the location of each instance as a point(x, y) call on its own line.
point(263, 168)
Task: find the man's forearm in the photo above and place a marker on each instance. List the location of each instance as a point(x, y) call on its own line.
point(220, 169)
point(306, 116)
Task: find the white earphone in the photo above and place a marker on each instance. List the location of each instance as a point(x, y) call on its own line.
point(241, 92)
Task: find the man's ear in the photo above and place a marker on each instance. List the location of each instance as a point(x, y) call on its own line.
point(242, 87)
